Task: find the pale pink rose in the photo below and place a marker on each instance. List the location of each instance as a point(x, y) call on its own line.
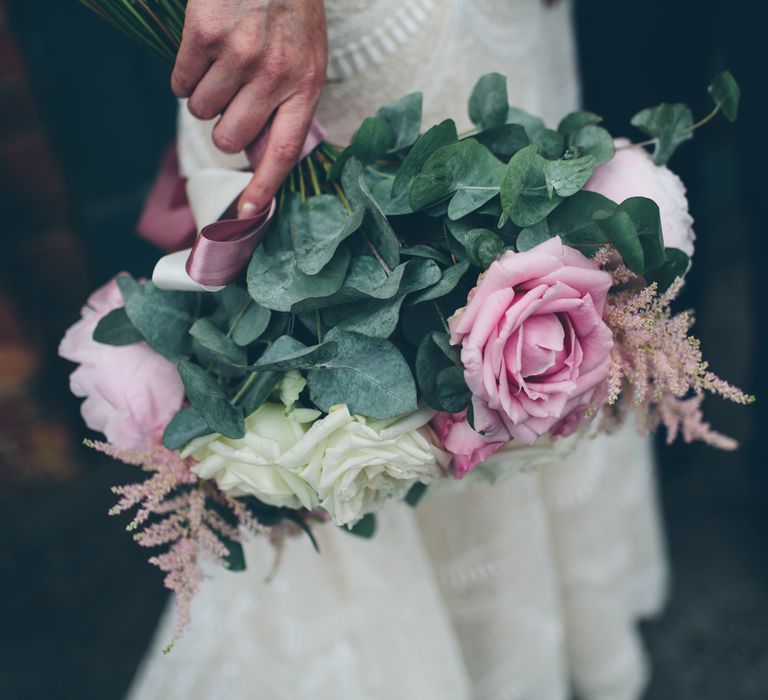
point(533, 341)
point(467, 446)
point(131, 392)
point(632, 173)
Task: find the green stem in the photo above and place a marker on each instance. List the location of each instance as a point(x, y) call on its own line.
point(244, 388)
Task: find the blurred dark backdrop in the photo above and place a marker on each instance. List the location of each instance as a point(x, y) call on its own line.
point(84, 117)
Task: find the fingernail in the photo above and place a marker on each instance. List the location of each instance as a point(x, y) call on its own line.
point(247, 210)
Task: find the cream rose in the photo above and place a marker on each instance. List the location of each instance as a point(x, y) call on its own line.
point(345, 464)
point(367, 462)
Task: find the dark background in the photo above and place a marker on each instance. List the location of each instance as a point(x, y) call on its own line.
point(84, 117)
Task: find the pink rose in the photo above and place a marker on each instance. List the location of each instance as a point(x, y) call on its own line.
point(534, 344)
point(632, 173)
point(130, 391)
point(467, 446)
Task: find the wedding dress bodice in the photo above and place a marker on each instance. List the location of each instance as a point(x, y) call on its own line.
point(526, 590)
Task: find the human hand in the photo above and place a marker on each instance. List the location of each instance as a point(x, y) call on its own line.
point(253, 61)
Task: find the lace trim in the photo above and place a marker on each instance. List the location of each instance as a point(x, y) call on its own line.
point(372, 48)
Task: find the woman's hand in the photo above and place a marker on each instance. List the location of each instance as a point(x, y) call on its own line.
point(252, 60)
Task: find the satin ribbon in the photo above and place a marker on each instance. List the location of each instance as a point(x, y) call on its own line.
point(181, 214)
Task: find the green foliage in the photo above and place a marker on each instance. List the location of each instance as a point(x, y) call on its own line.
point(404, 118)
point(116, 329)
point(525, 198)
point(288, 353)
point(466, 172)
point(436, 137)
point(488, 104)
point(440, 375)
point(376, 227)
point(365, 527)
point(210, 401)
point(669, 125)
point(320, 225)
point(186, 425)
point(379, 318)
point(163, 318)
point(726, 94)
point(368, 374)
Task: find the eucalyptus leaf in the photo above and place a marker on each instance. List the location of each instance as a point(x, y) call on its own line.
point(365, 527)
point(288, 353)
point(378, 319)
point(186, 425)
point(573, 221)
point(646, 218)
point(421, 250)
point(276, 282)
point(163, 318)
point(669, 124)
point(567, 177)
point(404, 117)
point(376, 228)
point(211, 338)
point(618, 228)
point(373, 140)
point(466, 172)
point(488, 103)
point(127, 285)
point(210, 401)
point(431, 360)
point(551, 143)
point(250, 323)
point(675, 265)
point(433, 139)
point(380, 184)
point(369, 375)
point(451, 389)
point(322, 222)
point(524, 196)
point(505, 140)
point(595, 141)
point(448, 281)
point(415, 494)
point(259, 386)
point(115, 328)
point(726, 94)
point(571, 123)
point(365, 279)
point(532, 125)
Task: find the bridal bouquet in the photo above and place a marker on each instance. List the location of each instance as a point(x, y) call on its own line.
point(420, 300)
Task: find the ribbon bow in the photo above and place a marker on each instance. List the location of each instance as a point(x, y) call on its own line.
point(186, 217)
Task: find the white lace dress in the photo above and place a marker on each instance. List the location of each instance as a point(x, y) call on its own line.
point(528, 590)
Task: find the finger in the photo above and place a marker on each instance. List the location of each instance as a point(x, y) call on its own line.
point(192, 62)
point(243, 119)
point(215, 90)
point(286, 140)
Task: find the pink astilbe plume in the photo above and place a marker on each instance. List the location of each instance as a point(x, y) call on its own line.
point(657, 366)
point(179, 511)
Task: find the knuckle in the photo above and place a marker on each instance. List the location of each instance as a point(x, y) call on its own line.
point(200, 108)
point(288, 150)
point(227, 142)
point(205, 35)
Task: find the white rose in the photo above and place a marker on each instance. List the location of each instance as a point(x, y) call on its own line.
point(254, 465)
point(367, 462)
point(346, 464)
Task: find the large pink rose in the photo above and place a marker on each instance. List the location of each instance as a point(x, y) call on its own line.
point(533, 341)
point(467, 446)
point(130, 391)
point(632, 173)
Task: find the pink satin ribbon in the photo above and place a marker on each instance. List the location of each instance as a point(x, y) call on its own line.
point(224, 247)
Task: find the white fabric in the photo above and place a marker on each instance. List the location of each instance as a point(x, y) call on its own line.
point(527, 590)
